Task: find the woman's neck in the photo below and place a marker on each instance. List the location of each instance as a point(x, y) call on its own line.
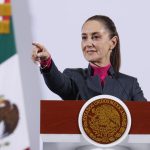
point(99, 64)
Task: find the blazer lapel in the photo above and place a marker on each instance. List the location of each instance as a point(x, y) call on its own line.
point(93, 84)
point(112, 87)
point(109, 85)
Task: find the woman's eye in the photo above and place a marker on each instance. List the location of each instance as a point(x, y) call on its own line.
point(84, 37)
point(95, 37)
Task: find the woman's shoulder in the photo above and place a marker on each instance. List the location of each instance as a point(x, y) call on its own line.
point(126, 81)
point(126, 77)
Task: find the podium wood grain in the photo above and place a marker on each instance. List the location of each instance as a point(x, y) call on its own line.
point(61, 117)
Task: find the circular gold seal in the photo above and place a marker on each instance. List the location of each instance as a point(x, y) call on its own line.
point(104, 120)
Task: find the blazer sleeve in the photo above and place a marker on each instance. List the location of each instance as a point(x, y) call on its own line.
point(60, 83)
point(137, 92)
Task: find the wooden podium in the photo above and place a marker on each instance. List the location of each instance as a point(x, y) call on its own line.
point(59, 122)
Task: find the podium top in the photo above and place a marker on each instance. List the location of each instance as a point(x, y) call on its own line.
point(61, 117)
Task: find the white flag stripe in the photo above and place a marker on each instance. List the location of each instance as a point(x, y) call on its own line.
point(10, 87)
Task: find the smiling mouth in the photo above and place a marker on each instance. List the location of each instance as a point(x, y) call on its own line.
point(90, 51)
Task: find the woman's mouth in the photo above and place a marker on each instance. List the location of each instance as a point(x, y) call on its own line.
point(90, 51)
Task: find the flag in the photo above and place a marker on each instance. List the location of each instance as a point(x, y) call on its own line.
point(13, 125)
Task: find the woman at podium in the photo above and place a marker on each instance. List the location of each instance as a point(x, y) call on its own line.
point(101, 48)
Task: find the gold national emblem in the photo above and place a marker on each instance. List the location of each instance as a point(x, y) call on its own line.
point(104, 121)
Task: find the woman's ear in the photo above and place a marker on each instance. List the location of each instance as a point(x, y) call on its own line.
point(113, 41)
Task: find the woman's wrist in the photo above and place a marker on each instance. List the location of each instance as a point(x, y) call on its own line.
point(45, 64)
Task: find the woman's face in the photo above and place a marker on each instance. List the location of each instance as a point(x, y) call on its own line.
point(96, 43)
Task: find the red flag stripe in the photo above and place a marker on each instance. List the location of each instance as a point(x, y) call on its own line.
point(7, 1)
point(6, 17)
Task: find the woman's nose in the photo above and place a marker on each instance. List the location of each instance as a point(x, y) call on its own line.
point(89, 42)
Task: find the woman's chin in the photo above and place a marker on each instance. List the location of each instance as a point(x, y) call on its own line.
point(91, 60)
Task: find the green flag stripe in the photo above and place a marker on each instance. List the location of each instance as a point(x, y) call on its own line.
point(7, 44)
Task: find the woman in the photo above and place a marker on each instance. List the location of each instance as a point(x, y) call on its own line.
point(101, 48)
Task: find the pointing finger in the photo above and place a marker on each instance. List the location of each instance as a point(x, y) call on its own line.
point(41, 47)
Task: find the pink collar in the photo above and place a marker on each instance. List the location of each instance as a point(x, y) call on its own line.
point(101, 71)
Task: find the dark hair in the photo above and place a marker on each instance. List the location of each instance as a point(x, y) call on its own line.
point(115, 57)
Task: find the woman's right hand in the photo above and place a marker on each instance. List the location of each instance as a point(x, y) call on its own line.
point(39, 53)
